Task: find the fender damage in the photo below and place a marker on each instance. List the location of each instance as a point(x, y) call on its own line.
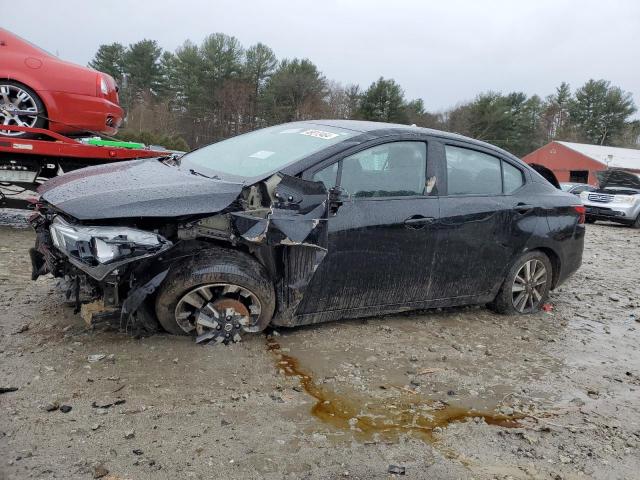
point(281, 221)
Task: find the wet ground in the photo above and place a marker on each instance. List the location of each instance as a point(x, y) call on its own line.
point(462, 393)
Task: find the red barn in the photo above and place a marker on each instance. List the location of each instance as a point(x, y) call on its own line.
point(578, 162)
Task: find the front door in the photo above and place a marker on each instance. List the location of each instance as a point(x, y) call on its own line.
point(381, 240)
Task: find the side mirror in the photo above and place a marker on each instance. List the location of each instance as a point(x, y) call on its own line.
point(337, 196)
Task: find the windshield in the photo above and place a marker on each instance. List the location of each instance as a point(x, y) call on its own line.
point(267, 150)
point(566, 186)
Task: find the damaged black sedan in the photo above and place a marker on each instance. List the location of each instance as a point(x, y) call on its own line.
point(303, 223)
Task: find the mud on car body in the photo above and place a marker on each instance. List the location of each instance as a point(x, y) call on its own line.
point(307, 222)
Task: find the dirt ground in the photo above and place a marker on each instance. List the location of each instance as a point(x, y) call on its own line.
point(462, 393)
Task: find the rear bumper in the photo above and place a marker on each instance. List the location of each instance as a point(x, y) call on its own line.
point(72, 113)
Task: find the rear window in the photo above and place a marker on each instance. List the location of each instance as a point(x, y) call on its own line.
point(512, 177)
point(471, 172)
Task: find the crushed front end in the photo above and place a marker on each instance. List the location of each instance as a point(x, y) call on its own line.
point(103, 265)
point(112, 266)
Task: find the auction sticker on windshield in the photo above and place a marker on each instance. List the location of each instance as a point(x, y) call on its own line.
point(320, 134)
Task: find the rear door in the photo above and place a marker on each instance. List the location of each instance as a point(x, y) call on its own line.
point(382, 239)
point(483, 221)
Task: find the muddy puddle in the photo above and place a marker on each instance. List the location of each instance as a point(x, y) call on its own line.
point(382, 420)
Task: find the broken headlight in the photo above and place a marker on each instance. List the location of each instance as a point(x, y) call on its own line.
point(101, 245)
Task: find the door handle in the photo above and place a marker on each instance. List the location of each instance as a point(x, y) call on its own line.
point(418, 221)
point(523, 208)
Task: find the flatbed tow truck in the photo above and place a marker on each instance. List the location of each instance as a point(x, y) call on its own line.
point(26, 163)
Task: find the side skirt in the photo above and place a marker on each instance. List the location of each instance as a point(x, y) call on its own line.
point(329, 316)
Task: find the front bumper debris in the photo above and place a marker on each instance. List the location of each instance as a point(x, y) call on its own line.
point(103, 293)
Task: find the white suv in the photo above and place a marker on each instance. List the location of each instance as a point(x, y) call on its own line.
point(617, 199)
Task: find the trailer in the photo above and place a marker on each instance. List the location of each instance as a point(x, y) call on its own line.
point(26, 163)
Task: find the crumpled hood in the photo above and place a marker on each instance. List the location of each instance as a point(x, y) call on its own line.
point(618, 178)
point(138, 188)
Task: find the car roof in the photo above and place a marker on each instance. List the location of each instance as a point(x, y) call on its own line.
point(383, 128)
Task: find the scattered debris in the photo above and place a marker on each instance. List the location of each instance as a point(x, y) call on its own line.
point(129, 434)
point(109, 404)
point(96, 357)
point(547, 307)
point(100, 471)
point(396, 470)
point(65, 408)
point(428, 371)
point(8, 390)
point(506, 410)
point(137, 451)
point(119, 388)
point(404, 389)
point(276, 397)
point(51, 407)
point(21, 329)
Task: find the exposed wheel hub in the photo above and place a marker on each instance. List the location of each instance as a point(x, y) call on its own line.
point(226, 327)
point(218, 312)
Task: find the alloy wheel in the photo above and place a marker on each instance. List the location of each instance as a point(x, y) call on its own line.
point(219, 312)
point(17, 107)
point(529, 286)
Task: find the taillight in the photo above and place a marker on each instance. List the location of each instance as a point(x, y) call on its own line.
point(581, 210)
point(102, 86)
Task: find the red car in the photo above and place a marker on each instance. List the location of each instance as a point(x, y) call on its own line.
point(39, 90)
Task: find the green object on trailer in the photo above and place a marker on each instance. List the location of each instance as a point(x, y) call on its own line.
point(114, 143)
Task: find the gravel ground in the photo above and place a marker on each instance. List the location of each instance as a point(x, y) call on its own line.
point(460, 393)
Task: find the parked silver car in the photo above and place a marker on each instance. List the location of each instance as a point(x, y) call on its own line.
point(576, 188)
point(617, 199)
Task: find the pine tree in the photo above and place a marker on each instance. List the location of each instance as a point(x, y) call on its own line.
point(110, 59)
point(260, 64)
point(600, 112)
point(383, 101)
point(295, 91)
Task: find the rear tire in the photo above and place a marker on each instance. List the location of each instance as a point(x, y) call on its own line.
point(526, 286)
point(636, 223)
point(216, 282)
point(14, 95)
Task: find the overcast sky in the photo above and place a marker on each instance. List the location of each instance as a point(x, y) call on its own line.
point(444, 52)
